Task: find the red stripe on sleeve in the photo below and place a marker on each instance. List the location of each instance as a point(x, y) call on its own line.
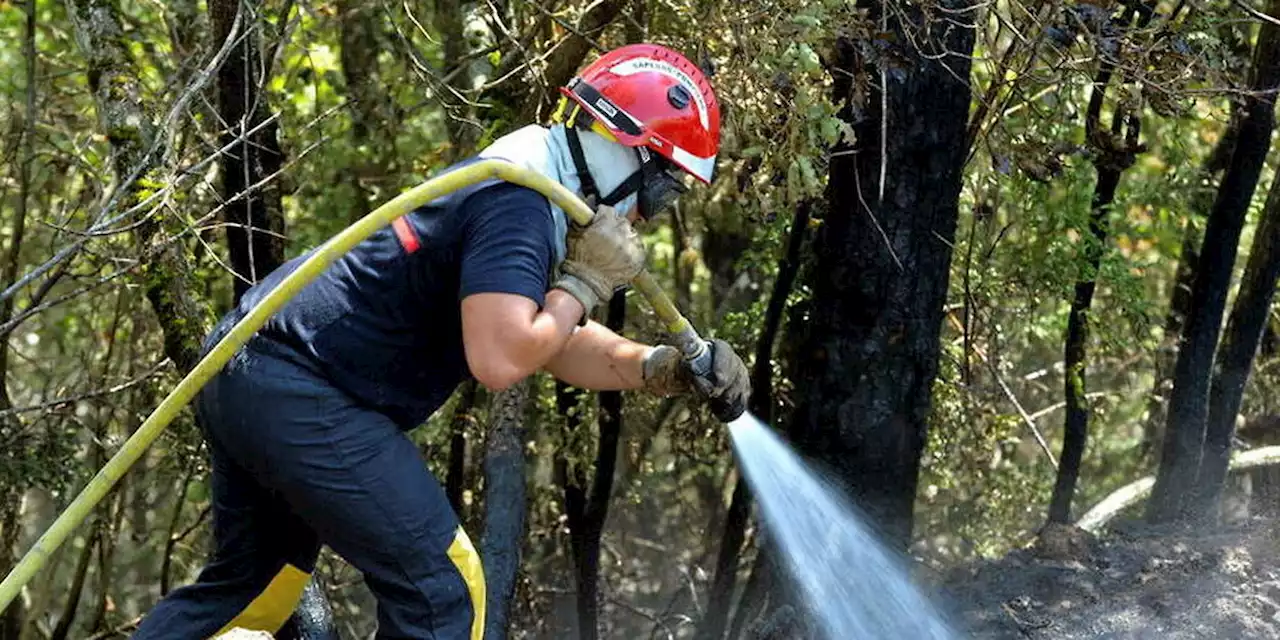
point(408, 239)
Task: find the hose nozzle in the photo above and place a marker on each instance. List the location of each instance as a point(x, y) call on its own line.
point(697, 356)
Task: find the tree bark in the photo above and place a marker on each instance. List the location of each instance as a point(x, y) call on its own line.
point(637, 25)
point(1115, 153)
point(755, 593)
point(1188, 405)
point(681, 268)
point(368, 119)
point(573, 482)
point(81, 572)
point(1180, 297)
point(723, 243)
point(13, 616)
point(1175, 321)
point(761, 406)
point(1235, 359)
point(449, 22)
point(166, 275)
point(587, 525)
point(570, 476)
point(253, 215)
point(505, 505)
point(868, 353)
point(463, 418)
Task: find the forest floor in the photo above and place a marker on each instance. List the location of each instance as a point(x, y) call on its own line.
point(1134, 581)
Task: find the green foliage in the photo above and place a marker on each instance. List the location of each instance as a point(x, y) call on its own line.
point(351, 145)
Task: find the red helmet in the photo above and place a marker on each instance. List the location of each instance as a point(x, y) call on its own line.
point(648, 95)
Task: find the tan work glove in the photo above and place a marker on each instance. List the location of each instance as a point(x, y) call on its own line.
point(600, 257)
point(726, 388)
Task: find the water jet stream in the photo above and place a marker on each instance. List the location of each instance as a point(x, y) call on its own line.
point(853, 586)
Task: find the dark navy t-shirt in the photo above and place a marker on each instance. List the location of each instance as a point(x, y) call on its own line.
point(383, 323)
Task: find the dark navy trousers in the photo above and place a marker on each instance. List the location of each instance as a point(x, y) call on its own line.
point(296, 464)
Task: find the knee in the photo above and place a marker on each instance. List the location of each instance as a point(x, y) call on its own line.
point(435, 595)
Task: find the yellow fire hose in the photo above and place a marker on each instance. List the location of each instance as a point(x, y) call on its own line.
point(681, 330)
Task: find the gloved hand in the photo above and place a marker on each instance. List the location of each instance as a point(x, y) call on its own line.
point(726, 387)
point(599, 258)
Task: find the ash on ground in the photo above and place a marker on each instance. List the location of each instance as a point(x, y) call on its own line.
point(1131, 582)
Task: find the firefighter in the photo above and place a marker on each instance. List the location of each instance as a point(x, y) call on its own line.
point(306, 425)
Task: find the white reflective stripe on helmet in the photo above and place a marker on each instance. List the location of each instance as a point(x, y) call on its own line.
point(637, 65)
point(698, 166)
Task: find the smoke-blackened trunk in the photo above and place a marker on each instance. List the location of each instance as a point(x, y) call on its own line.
point(253, 215)
point(1114, 153)
point(1239, 345)
point(1188, 404)
point(505, 505)
point(868, 353)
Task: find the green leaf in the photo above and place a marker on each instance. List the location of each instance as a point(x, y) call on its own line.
point(806, 20)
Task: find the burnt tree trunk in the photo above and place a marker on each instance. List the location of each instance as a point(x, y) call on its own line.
point(1174, 322)
point(449, 15)
point(573, 481)
point(463, 418)
point(1180, 297)
point(683, 266)
point(587, 506)
point(13, 616)
point(1114, 153)
point(723, 244)
point(637, 26)
point(249, 185)
point(369, 118)
point(761, 406)
point(505, 505)
point(1235, 359)
point(868, 353)
point(595, 504)
point(1188, 404)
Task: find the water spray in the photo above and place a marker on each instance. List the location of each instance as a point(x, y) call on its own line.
point(693, 347)
point(851, 584)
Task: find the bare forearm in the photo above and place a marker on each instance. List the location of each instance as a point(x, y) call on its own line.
point(598, 359)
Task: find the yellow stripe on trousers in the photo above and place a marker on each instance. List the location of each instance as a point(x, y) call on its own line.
point(467, 560)
point(272, 607)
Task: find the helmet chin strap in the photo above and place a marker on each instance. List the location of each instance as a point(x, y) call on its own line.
point(591, 193)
